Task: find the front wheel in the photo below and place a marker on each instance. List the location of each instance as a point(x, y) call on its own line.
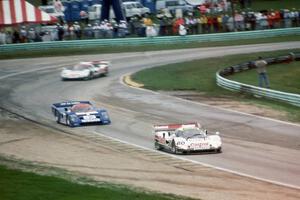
point(89, 77)
point(68, 122)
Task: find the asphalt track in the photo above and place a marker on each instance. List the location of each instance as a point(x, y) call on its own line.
point(263, 148)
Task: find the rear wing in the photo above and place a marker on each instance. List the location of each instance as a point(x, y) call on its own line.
point(105, 62)
point(173, 127)
point(68, 104)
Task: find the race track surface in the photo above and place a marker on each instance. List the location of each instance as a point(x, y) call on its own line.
point(263, 148)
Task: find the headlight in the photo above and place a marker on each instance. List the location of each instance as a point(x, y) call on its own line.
point(104, 115)
point(64, 73)
point(73, 118)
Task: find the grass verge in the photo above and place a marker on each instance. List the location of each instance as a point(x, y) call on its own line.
point(24, 184)
point(119, 49)
point(199, 75)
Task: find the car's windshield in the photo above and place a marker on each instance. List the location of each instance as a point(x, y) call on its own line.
point(189, 133)
point(78, 67)
point(82, 107)
point(138, 5)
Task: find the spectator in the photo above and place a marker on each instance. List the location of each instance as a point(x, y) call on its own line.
point(294, 17)
point(225, 19)
point(182, 30)
point(23, 34)
point(88, 31)
point(261, 65)
point(122, 30)
point(31, 35)
point(179, 21)
point(96, 31)
point(9, 37)
point(16, 36)
point(60, 32)
point(203, 21)
point(2, 37)
point(77, 30)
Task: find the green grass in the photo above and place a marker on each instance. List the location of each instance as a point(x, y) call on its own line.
point(199, 75)
point(18, 185)
point(283, 77)
point(99, 50)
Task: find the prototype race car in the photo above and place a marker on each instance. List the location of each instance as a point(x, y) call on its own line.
point(185, 138)
point(76, 113)
point(85, 70)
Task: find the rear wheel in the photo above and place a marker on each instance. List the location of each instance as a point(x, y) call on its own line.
point(173, 147)
point(218, 150)
point(157, 146)
point(57, 118)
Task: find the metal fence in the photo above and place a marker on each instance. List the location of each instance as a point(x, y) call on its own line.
point(290, 98)
point(37, 46)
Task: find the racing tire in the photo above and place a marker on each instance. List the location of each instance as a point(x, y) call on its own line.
point(68, 122)
point(89, 77)
point(218, 150)
point(157, 146)
point(174, 148)
point(57, 118)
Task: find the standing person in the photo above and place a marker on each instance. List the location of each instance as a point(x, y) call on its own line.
point(261, 66)
point(77, 30)
point(31, 35)
point(16, 36)
point(2, 37)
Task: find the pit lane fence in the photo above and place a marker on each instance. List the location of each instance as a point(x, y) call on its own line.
point(37, 46)
point(290, 98)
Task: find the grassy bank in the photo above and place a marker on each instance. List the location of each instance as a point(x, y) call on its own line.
point(117, 49)
point(283, 77)
point(15, 185)
point(199, 75)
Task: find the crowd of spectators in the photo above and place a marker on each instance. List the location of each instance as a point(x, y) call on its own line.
point(207, 18)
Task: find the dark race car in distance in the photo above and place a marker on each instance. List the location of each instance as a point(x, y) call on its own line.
point(77, 113)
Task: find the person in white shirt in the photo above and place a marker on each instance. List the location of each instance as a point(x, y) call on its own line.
point(261, 68)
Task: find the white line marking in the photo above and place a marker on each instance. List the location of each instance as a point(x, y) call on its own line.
point(31, 70)
point(203, 164)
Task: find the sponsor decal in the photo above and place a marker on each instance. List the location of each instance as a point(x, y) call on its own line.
point(202, 145)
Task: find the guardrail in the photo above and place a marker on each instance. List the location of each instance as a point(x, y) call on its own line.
point(290, 98)
point(37, 46)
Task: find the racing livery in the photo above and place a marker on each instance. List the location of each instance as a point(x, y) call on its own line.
point(185, 138)
point(76, 113)
point(85, 70)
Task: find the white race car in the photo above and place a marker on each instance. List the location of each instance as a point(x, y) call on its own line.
point(85, 70)
point(185, 138)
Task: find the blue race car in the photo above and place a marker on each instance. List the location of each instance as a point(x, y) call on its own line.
point(76, 113)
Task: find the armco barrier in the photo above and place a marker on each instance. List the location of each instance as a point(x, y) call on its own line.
point(143, 40)
point(258, 91)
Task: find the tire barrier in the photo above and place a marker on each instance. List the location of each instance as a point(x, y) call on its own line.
point(37, 46)
point(290, 98)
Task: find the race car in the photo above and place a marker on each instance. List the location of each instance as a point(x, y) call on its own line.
point(77, 113)
point(85, 70)
point(185, 138)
